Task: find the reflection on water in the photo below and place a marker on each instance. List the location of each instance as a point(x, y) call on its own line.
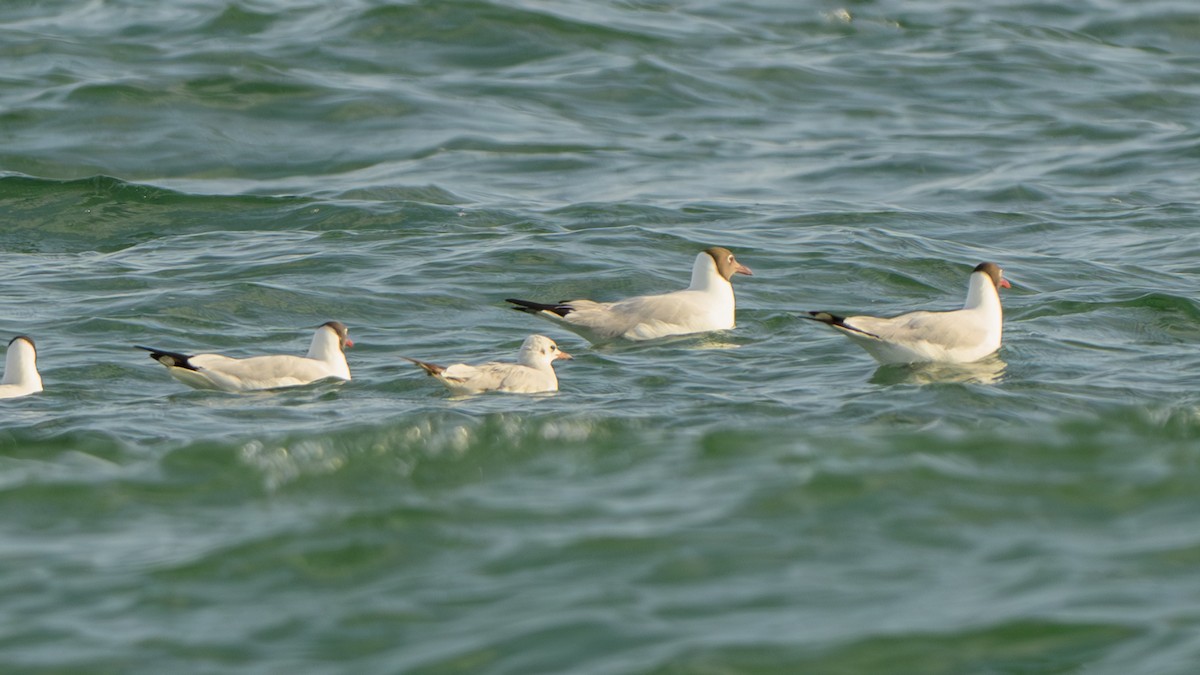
point(715, 343)
point(986, 371)
point(712, 340)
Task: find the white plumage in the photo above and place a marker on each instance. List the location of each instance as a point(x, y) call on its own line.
point(325, 359)
point(21, 376)
point(533, 372)
point(707, 304)
point(958, 336)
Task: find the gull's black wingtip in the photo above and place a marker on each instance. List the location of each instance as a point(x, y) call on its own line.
point(837, 322)
point(168, 359)
point(431, 368)
point(826, 318)
point(530, 307)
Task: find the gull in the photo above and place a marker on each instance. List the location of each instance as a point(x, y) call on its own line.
point(705, 305)
point(20, 369)
point(325, 359)
point(959, 336)
point(533, 373)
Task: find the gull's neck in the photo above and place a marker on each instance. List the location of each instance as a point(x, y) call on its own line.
point(982, 293)
point(326, 347)
point(20, 367)
point(705, 276)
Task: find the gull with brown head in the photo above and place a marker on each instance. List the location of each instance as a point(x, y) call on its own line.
point(707, 304)
point(959, 336)
point(326, 359)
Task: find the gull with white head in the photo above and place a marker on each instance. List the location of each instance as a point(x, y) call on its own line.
point(533, 373)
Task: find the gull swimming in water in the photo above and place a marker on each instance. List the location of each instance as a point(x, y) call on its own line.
point(533, 372)
point(325, 359)
point(958, 336)
point(707, 304)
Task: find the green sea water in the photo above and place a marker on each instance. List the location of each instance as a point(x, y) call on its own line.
point(224, 175)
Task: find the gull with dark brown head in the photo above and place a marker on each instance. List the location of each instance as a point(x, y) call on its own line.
point(959, 336)
point(533, 373)
point(21, 376)
point(707, 304)
point(325, 360)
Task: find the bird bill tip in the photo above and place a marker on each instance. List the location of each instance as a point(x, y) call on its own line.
point(742, 269)
point(563, 356)
point(1004, 283)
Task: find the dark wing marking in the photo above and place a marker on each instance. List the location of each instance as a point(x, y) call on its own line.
point(431, 368)
point(839, 321)
point(169, 359)
point(529, 307)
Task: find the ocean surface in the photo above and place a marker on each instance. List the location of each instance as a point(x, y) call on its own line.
point(224, 175)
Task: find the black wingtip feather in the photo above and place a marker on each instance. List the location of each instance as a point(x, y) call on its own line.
point(530, 307)
point(839, 321)
point(431, 368)
point(169, 359)
point(825, 317)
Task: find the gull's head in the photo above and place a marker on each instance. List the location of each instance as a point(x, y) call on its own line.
point(540, 350)
point(339, 329)
point(995, 273)
point(727, 265)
